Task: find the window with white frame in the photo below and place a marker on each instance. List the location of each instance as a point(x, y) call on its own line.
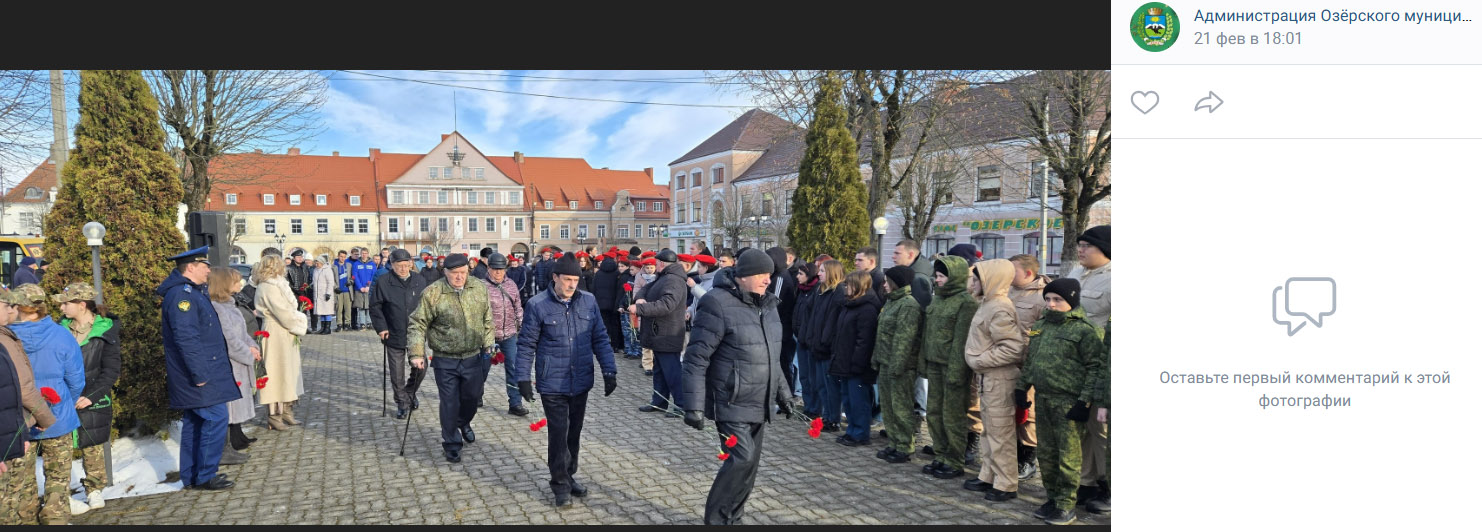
point(766, 204)
point(1037, 182)
point(424, 197)
point(695, 211)
point(349, 226)
point(653, 232)
point(321, 226)
point(354, 201)
point(545, 232)
point(473, 225)
point(514, 197)
point(990, 184)
point(550, 205)
point(679, 216)
point(393, 225)
point(598, 204)
point(519, 225)
point(424, 225)
point(267, 199)
point(658, 206)
point(695, 179)
point(471, 197)
point(447, 172)
point(239, 226)
point(478, 173)
point(565, 232)
point(1031, 246)
point(432, 172)
point(491, 224)
point(442, 225)
point(467, 172)
point(937, 244)
point(718, 175)
point(601, 230)
point(364, 224)
point(991, 244)
point(321, 199)
point(296, 226)
point(294, 199)
point(678, 181)
point(640, 206)
point(491, 198)
point(787, 201)
point(231, 199)
point(571, 205)
point(622, 231)
point(581, 231)
point(442, 197)
point(398, 197)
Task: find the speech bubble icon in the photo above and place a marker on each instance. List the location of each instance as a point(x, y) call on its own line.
point(1311, 297)
point(1289, 329)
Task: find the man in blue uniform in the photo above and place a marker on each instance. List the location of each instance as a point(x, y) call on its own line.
point(198, 374)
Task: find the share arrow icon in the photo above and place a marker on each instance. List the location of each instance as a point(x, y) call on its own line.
point(1211, 102)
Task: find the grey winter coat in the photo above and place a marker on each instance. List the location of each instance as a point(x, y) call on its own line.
point(239, 344)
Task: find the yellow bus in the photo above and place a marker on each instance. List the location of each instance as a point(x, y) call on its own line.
point(13, 248)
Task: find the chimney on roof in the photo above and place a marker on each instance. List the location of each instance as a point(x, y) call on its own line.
point(445, 136)
point(259, 150)
point(334, 154)
point(604, 168)
point(649, 171)
point(293, 151)
point(519, 158)
point(374, 152)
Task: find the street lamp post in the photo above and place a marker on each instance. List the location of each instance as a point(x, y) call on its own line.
point(881, 224)
point(94, 232)
point(663, 233)
point(281, 239)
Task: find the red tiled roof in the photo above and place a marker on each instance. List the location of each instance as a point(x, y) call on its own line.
point(43, 177)
point(563, 180)
point(250, 175)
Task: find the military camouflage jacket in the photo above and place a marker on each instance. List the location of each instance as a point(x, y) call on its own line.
point(898, 340)
point(948, 320)
point(454, 324)
point(1066, 357)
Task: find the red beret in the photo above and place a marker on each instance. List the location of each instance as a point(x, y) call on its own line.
point(441, 257)
point(686, 258)
point(705, 259)
point(648, 254)
point(649, 262)
point(622, 252)
point(557, 255)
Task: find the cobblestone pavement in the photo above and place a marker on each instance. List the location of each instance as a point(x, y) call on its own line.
point(341, 466)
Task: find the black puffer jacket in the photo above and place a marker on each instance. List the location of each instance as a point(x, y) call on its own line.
point(392, 301)
point(101, 363)
point(733, 363)
point(607, 286)
point(854, 337)
point(822, 317)
point(662, 311)
point(787, 280)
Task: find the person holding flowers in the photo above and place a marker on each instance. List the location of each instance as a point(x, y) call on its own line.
point(56, 363)
point(284, 323)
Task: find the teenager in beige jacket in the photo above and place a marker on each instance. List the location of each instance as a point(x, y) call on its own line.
point(994, 351)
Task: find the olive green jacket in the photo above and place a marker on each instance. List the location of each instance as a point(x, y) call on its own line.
point(455, 324)
point(1066, 357)
point(897, 339)
point(948, 320)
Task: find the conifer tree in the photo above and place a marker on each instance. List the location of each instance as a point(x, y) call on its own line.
point(829, 213)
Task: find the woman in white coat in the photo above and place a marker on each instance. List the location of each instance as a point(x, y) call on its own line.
point(325, 282)
point(283, 323)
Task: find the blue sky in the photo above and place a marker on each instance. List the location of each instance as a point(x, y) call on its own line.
point(362, 112)
point(408, 117)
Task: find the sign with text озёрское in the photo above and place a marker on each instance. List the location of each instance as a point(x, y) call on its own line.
point(1004, 224)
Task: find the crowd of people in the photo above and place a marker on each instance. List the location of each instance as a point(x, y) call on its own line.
point(1008, 368)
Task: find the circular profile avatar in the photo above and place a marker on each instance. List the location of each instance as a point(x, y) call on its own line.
point(1155, 27)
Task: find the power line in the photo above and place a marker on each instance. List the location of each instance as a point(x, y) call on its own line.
point(517, 93)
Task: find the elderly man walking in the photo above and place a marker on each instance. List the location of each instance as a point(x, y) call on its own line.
point(504, 302)
point(391, 304)
point(453, 318)
point(733, 370)
point(661, 305)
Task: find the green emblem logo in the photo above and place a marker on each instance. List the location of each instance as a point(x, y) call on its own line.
point(1155, 27)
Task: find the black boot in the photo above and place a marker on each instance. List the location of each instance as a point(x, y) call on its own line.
point(236, 437)
point(971, 458)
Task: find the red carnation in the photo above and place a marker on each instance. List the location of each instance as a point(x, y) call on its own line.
point(262, 383)
point(302, 299)
point(498, 358)
point(817, 423)
point(541, 422)
point(261, 334)
point(1022, 417)
point(731, 441)
point(723, 456)
point(628, 287)
point(815, 432)
point(534, 427)
point(980, 254)
point(50, 395)
point(239, 384)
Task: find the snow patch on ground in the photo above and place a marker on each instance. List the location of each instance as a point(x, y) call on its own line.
point(139, 467)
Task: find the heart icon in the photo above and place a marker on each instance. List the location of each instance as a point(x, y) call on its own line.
point(1145, 101)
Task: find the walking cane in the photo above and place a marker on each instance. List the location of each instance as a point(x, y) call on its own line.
point(385, 371)
point(407, 429)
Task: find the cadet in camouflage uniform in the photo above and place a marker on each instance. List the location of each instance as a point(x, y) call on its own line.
point(1065, 366)
point(18, 484)
point(56, 363)
point(98, 337)
point(454, 320)
point(944, 337)
point(897, 347)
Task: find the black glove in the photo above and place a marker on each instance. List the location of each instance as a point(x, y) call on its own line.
point(1080, 412)
point(526, 391)
point(609, 383)
point(784, 407)
point(1021, 398)
point(694, 419)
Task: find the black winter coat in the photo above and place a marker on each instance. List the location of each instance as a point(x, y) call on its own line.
point(802, 310)
point(392, 301)
point(732, 365)
point(607, 285)
point(101, 363)
point(585, 283)
point(854, 337)
point(12, 413)
point(430, 274)
point(662, 312)
point(822, 317)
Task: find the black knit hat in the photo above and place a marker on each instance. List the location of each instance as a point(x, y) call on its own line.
point(968, 252)
point(486, 252)
point(566, 265)
point(1067, 288)
point(901, 276)
point(1099, 236)
point(634, 251)
point(940, 266)
point(753, 262)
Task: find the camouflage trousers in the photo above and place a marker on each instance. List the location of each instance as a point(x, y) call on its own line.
point(1059, 449)
point(947, 401)
point(898, 408)
point(18, 501)
point(94, 469)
